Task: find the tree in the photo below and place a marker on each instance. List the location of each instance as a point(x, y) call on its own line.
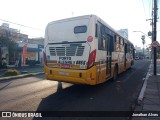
point(11, 45)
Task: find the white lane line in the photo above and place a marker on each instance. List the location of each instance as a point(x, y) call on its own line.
point(141, 95)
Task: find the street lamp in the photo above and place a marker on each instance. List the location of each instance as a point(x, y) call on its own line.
point(143, 34)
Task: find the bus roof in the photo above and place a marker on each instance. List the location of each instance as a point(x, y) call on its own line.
point(88, 17)
point(72, 18)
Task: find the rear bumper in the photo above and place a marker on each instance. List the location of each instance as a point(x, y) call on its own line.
point(71, 75)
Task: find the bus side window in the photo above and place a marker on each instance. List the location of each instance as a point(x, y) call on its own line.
point(101, 37)
point(125, 48)
point(99, 34)
point(104, 42)
point(123, 45)
point(111, 43)
point(119, 40)
point(114, 43)
point(128, 47)
point(117, 43)
point(96, 30)
point(131, 48)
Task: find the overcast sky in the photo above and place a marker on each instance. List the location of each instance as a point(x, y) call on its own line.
point(119, 14)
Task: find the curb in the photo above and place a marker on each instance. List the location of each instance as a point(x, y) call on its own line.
point(20, 76)
point(1, 70)
point(141, 95)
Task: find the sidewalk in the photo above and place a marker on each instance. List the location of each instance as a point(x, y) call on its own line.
point(25, 68)
point(29, 70)
point(149, 98)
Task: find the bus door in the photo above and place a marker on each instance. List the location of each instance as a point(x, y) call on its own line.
point(108, 42)
point(125, 52)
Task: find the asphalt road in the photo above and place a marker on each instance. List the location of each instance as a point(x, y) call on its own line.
point(38, 94)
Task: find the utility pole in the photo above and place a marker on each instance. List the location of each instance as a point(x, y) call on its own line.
point(154, 37)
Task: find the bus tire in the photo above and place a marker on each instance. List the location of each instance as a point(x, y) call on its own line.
point(115, 73)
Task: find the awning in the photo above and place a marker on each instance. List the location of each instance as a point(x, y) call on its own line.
point(29, 49)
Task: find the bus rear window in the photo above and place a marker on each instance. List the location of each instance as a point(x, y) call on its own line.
point(80, 29)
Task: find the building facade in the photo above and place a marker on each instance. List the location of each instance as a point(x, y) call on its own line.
point(34, 46)
point(39, 41)
point(12, 34)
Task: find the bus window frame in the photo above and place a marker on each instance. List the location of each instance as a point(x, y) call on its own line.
point(104, 31)
point(84, 31)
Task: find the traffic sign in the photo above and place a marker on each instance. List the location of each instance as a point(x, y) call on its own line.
point(155, 44)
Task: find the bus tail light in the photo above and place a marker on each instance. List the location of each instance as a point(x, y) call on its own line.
point(91, 76)
point(90, 39)
point(44, 58)
point(92, 57)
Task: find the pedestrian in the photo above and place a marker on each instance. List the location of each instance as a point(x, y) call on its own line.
point(4, 63)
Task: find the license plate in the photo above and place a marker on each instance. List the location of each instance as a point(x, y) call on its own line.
point(65, 66)
point(63, 73)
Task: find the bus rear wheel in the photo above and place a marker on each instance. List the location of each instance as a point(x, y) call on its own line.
point(115, 73)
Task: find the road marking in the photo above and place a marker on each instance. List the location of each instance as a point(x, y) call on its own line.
point(141, 95)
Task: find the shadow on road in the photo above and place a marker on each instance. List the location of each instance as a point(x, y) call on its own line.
point(5, 86)
point(80, 98)
point(63, 97)
point(41, 76)
point(120, 95)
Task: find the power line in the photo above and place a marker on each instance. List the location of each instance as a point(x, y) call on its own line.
point(20, 25)
point(144, 9)
point(150, 9)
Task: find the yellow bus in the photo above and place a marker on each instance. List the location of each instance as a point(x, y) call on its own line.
point(85, 50)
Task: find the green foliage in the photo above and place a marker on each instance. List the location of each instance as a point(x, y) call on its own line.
point(11, 73)
point(11, 45)
point(8, 43)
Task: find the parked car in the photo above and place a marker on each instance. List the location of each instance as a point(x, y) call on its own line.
point(136, 58)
